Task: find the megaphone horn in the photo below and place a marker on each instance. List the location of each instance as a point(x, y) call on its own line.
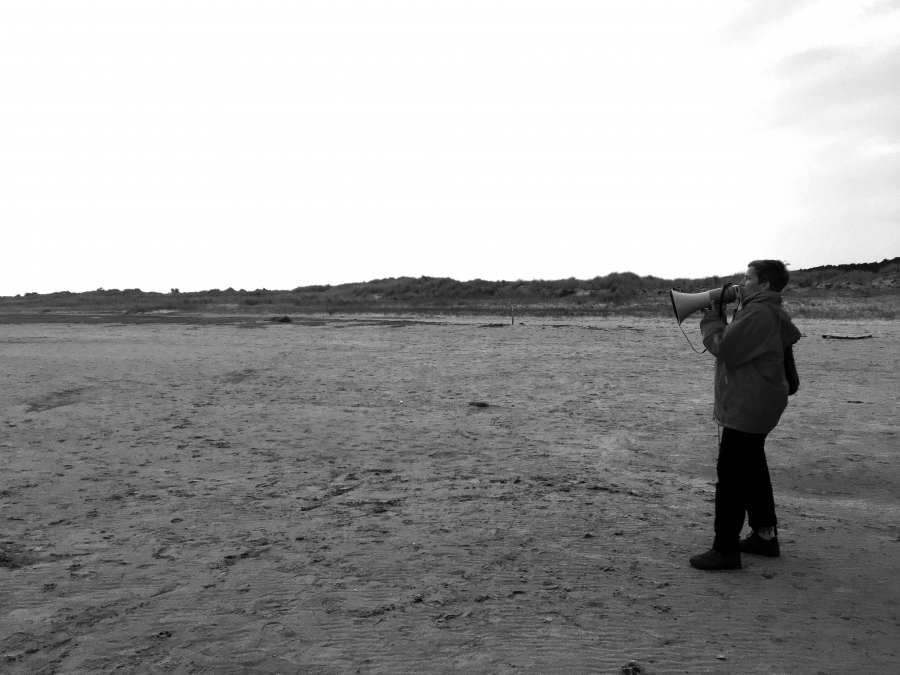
point(685, 304)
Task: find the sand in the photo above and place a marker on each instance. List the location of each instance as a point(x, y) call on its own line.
point(323, 497)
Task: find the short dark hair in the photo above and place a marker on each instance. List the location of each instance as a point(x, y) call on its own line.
point(773, 271)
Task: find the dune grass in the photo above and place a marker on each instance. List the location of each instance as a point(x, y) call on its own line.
point(821, 293)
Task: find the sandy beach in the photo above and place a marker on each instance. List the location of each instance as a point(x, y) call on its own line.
point(328, 497)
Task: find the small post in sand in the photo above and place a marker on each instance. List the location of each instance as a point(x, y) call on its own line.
point(512, 314)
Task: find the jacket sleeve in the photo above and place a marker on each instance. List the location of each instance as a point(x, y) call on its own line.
point(743, 340)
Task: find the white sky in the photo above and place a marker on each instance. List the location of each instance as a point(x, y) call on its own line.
point(261, 144)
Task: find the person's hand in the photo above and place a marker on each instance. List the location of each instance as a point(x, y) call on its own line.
point(712, 310)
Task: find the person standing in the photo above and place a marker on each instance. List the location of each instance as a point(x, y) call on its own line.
point(751, 393)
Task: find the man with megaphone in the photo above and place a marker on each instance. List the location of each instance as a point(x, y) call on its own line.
point(751, 393)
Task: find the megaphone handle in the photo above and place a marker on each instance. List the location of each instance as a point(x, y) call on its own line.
point(722, 300)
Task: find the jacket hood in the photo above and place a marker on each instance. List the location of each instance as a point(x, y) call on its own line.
point(789, 332)
point(762, 296)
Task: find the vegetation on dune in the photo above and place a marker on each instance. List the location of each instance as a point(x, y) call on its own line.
point(877, 267)
point(874, 286)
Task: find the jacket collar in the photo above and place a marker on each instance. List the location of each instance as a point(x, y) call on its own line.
point(762, 296)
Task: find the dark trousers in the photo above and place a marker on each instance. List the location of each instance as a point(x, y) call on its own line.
point(744, 487)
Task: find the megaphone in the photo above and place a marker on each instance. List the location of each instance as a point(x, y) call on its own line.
point(685, 304)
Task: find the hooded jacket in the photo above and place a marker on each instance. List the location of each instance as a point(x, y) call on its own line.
point(750, 386)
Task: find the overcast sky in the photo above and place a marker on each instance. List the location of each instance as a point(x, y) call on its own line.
point(260, 144)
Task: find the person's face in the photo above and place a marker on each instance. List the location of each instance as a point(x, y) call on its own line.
point(750, 282)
